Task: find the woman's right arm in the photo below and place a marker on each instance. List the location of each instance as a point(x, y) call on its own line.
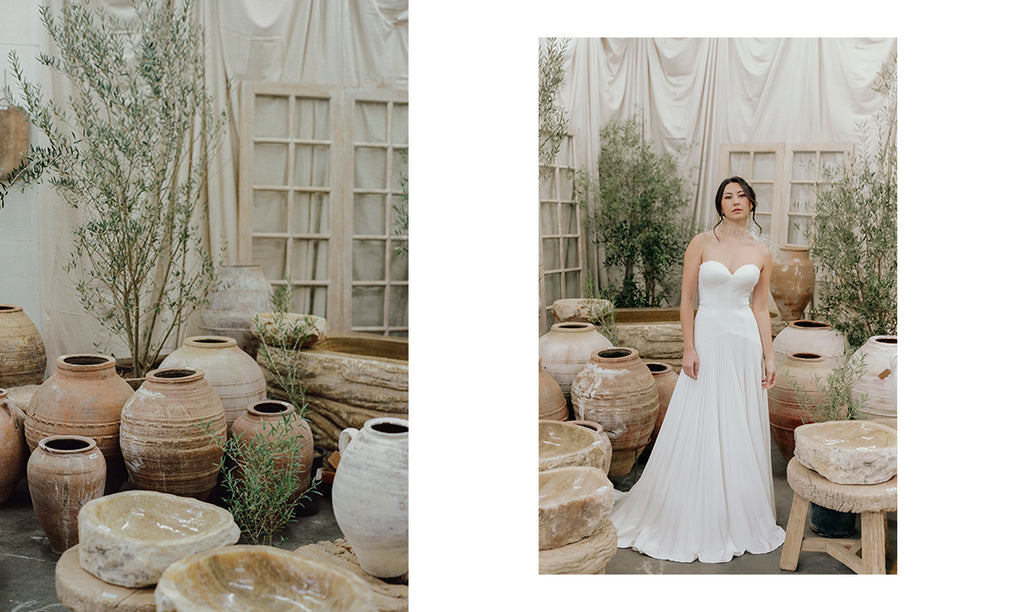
point(691, 267)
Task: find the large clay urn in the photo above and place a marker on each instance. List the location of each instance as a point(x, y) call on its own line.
point(22, 354)
point(172, 433)
point(13, 452)
point(617, 390)
point(233, 374)
point(665, 378)
point(277, 422)
point(566, 348)
point(552, 404)
point(239, 293)
point(879, 356)
point(83, 397)
point(809, 336)
point(371, 494)
point(800, 376)
point(64, 472)
point(792, 281)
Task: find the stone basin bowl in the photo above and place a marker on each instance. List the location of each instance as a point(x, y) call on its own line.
point(574, 502)
point(565, 443)
point(259, 578)
point(130, 538)
point(848, 452)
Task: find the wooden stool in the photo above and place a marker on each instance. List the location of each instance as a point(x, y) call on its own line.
point(870, 501)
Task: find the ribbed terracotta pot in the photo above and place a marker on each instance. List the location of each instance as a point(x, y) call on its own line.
point(796, 374)
point(83, 397)
point(665, 378)
point(64, 472)
point(13, 452)
point(617, 390)
point(566, 348)
point(233, 374)
point(172, 431)
point(371, 494)
point(239, 292)
point(878, 382)
point(809, 336)
point(22, 354)
point(277, 420)
point(552, 404)
point(792, 281)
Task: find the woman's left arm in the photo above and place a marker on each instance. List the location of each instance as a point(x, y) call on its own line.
point(759, 304)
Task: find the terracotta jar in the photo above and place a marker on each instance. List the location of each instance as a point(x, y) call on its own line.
point(792, 281)
point(277, 419)
point(808, 336)
point(22, 354)
point(64, 472)
point(797, 374)
point(566, 348)
point(617, 390)
point(371, 494)
point(239, 293)
point(665, 378)
point(553, 406)
point(233, 374)
point(13, 452)
point(83, 397)
point(172, 434)
point(878, 382)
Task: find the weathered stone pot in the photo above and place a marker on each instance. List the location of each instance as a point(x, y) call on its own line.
point(574, 502)
point(277, 420)
point(259, 578)
point(792, 281)
point(172, 431)
point(13, 452)
point(64, 472)
point(22, 354)
point(566, 348)
point(878, 354)
point(239, 292)
point(573, 443)
point(809, 336)
point(665, 378)
point(130, 538)
point(84, 397)
point(587, 556)
point(617, 390)
point(234, 375)
point(796, 373)
point(552, 404)
point(371, 493)
point(848, 452)
point(350, 378)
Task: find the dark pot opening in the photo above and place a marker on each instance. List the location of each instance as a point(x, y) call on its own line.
point(86, 360)
point(614, 353)
point(67, 444)
point(391, 428)
point(211, 340)
point(810, 324)
point(174, 373)
point(807, 355)
point(270, 408)
point(7, 307)
point(572, 326)
point(657, 367)
point(887, 340)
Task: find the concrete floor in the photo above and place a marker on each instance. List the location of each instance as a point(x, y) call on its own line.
point(627, 561)
point(27, 564)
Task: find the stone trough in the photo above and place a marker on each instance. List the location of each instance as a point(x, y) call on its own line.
point(848, 452)
point(350, 378)
point(130, 538)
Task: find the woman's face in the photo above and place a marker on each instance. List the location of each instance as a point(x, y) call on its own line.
point(735, 203)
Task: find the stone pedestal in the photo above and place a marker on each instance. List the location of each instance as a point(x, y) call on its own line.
point(79, 590)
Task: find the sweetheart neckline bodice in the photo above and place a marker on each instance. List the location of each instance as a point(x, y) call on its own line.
point(732, 273)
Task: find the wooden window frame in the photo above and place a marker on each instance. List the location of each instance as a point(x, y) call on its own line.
point(559, 201)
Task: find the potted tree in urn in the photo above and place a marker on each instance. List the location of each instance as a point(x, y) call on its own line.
point(128, 152)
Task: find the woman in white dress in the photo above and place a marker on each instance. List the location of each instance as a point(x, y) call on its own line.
point(706, 491)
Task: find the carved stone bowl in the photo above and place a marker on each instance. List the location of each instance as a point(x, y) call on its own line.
point(574, 502)
point(848, 452)
point(130, 538)
point(566, 443)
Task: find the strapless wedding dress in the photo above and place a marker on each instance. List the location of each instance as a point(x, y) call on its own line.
point(706, 491)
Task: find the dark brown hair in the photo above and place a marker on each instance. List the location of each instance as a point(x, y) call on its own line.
point(747, 189)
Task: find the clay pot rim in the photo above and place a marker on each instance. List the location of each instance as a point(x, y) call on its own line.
point(252, 411)
point(100, 362)
point(795, 247)
point(882, 340)
point(8, 308)
point(809, 324)
point(369, 425)
point(632, 353)
point(660, 372)
point(159, 375)
point(573, 327)
point(806, 356)
point(90, 444)
point(210, 341)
